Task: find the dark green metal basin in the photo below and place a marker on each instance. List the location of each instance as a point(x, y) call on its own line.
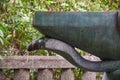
point(93, 32)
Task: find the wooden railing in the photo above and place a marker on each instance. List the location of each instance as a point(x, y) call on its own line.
point(44, 64)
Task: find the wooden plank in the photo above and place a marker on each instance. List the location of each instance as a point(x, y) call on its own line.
point(45, 74)
point(67, 74)
point(26, 62)
point(21, 74)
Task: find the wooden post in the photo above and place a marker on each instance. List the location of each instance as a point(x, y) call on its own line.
point(21, 74)
point(45, 74)
point(89, 76)
point(2, 77)
point(67, 74)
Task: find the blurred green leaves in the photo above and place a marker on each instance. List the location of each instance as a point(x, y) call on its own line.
point(3, 40)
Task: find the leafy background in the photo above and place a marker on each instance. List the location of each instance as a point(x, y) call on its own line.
point(16, 30)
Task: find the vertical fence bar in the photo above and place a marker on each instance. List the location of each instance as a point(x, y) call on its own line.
point(89, 76)
point(45, 74)
point(21, 74)
point(2, 77)
point(67, 74)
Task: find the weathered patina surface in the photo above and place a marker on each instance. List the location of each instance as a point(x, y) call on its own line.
point(93, 32)
point(70, 54)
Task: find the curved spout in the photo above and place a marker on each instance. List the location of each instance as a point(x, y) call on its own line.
point(69, 53)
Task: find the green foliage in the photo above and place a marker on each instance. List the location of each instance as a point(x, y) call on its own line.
point(2, 32)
